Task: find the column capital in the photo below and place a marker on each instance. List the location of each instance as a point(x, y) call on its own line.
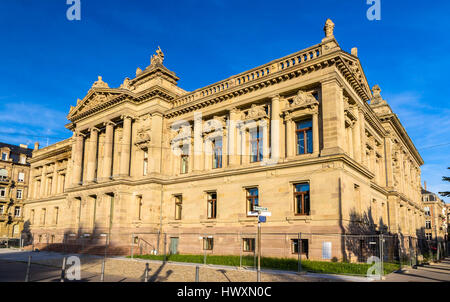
point(94, 129)
point(275, 97)
point(109, 123)
point(127, 116)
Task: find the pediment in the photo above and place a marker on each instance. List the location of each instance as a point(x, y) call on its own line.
point(355, 67)
point(96, 98)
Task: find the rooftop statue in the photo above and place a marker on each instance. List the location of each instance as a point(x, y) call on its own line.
point(99, 83)
point(329, 28)
point(157, 58)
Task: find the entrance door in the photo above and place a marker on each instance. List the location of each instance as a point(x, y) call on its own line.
point(173, 245)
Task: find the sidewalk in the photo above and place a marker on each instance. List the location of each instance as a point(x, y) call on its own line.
point(435, 272)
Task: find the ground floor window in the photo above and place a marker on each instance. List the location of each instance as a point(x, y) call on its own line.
point(304, 246)
point(249, 244)
point(208, 243)
point(428, 236)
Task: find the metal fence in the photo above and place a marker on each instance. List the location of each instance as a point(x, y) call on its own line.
point(301, 252)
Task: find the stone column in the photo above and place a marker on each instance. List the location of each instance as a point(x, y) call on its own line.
point(357, 153)
point(78, 159)
point(233, 141)
point(92, 155)
point(154, 153)
point(126, 147)
point(275, 140)
point(42, 191)
point(224, 148)
point(265, 143)
point(55, 179)
point(290, 137)
point(362, 129)
point(350, 141)
point(198, 143)
point(315, 124)
point(333, 118)
point(245, 141)
point(107, 157)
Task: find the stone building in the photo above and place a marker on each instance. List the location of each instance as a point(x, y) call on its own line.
point(302, 135)
point(435, 216)
point(14, 175)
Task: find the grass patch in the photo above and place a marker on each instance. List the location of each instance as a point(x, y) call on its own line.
point(287, 264)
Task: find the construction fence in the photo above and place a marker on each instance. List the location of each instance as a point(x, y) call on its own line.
point(284, 251)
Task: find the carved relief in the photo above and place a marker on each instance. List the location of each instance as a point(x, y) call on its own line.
point(256, 112)
point(99, 83)
point(143, 136)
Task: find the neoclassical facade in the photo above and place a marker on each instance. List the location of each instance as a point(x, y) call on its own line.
point(302, 135)
point(14, 177)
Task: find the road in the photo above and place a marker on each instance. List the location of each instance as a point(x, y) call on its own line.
point(437, 272)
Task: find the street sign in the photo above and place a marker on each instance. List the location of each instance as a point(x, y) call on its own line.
point(265, 214)
point(262, 218)
point(260, 209)
point(252, 213)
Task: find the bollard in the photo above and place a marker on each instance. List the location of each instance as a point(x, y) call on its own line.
point(27, 276)
point(146, 273)
point(63, 270)
point(197, 273)
point(102, 275)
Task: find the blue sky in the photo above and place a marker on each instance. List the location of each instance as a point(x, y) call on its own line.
point(47, 62)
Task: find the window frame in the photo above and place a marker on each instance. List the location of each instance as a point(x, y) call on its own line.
point(178, 205)
point(251, 198)
point(259, 146)
point(19, 210)
point(302, 194)
point(305, 137)
point(18, 177)
point(3, 189)
point(145, 163)
point(252, 245)
point(208, 243)
point(21, 194)
point(217, 157)
point(184, 158)
point(213, 202)
point(304, 242)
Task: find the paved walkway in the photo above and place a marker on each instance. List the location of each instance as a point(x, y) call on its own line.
point(436, 272)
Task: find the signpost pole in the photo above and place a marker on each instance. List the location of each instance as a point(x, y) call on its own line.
point(259, 251)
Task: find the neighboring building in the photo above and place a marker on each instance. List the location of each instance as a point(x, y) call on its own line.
point(14, 173)
point(301, 139)
point(435, 216)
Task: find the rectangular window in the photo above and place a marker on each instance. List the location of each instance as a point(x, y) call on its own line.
point(4, 156)
point(428, 236)
point(301, 199)
point(256, 145)
point(304, 246)
point(2, 192)
point(17, 211)
point(19, 194)
point(32, 216)
point(303, 133)
point(44, 212)
point(428, 224)
point(178, 207)
point(23, 160)
point(217, 156)
point(208, 243)
point(249, 244)
point(252, 198)
point(139, 205)
point(145, 168)
point(3, 174)
point(184, 163)
point(1, 209)
point(21, 177)
point(427, 211)
point(212, 205)
point(56, 215)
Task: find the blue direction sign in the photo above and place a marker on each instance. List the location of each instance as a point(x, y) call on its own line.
point(262, 218)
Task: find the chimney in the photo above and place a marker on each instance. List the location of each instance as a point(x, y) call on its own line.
point(355, 51)
point(36, 146)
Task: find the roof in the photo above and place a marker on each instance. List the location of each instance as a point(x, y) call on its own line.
point(17, 149)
